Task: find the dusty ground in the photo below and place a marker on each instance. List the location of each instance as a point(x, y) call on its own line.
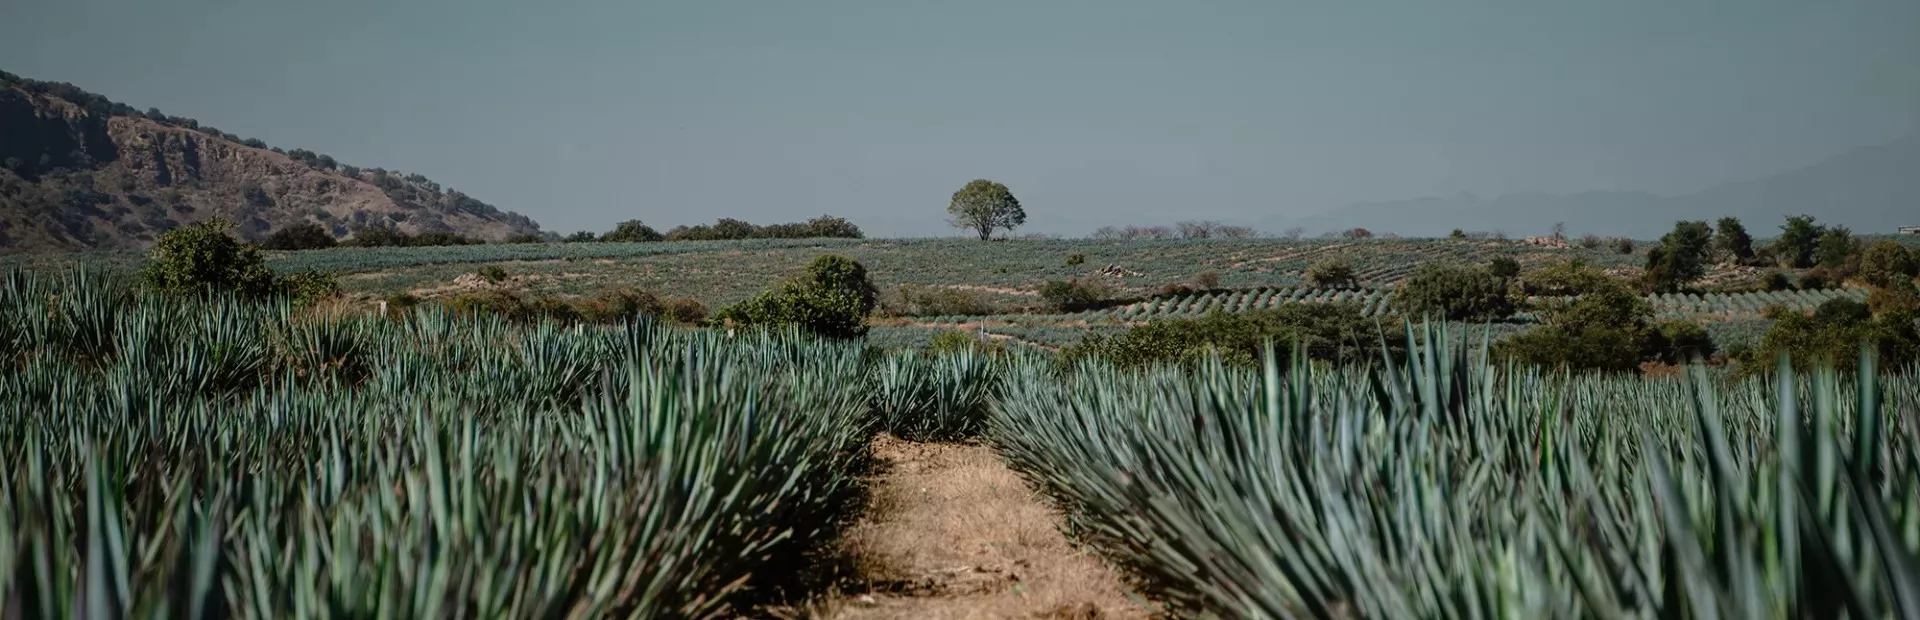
point(952, 533)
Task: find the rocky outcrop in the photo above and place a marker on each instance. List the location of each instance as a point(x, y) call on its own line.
point(83, 174)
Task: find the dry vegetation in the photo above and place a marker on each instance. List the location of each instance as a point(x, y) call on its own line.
point(952, 533)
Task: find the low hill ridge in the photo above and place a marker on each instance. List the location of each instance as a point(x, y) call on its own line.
point(80, 171)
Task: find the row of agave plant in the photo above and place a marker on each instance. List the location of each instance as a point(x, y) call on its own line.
point(1437, 486)
point(216, 458)
point(199, 458)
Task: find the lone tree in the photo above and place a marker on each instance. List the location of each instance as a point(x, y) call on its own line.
point(301, 236)
point(1680, 258)
point(632, 231)
point(985, 206)
point(1798, 240)
point(1733, 241)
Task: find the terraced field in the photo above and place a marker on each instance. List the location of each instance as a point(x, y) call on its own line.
point(1253, 274)
point(1378, 301)
point(718, 273)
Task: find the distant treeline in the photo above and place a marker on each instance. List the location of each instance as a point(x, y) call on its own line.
point(310, 236)
point(1190, 229)
point(725, 229)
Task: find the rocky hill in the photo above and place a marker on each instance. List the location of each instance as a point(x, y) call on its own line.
point(79, 171)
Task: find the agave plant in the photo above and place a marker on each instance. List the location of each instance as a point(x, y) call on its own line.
point(1438, 486)
point(476, 470)
point(935, 396)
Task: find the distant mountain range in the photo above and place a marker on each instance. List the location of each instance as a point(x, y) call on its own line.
point(79, 171)
point(1872, 190)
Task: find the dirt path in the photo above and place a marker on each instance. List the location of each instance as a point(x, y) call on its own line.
point(951, 533)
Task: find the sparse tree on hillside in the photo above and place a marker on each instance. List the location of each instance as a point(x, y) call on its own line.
point(729, 228)
point(1457, 293)
point(1798, 240)
point(1235, 232)
point(1836, 249)
point(835, 227)
point(1560, 231)
point(1331, 272)
point(632, 231)
point(1681, 256)
point(301, 236)
point(985, 206)
point(1357, 233)
point(1504, 267)
point(1197, 229)
point(1293, 234)
point(1733, 241)
point(584, 236)
point(378, 236)
point(1888, 265)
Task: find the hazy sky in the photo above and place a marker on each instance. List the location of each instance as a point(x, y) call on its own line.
point(581, 114)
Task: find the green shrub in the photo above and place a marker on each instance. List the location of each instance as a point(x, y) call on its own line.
point(311, 286)
point(1605, 329)
point(1564, 279)
point(1600, 348)
point(1775, 281)
point(202, 258)
point(1331, 272)
point(685, 311)
point(1074, 294)
point(1888, 265)
point(1833, 335)
point(301, 236)
point(1458, 293)
point(1207, 280)
point(832, 298)
point(1076, 259)
point(1504, 267)
point(493, 273)
point(1680, 342)
point(632, 231)
point(616, 305)
point(1815, 279)
point(1621, 245)
point(1837, 250)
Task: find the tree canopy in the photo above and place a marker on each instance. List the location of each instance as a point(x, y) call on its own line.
point(985, 206)
point(1732, 240)
point(632, 231)
point(1681, 256)
point(1799, 237)
point(301, 236)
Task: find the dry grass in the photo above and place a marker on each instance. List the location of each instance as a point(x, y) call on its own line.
point(952, 533)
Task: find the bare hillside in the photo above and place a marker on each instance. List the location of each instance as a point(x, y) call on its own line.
point(78, 171)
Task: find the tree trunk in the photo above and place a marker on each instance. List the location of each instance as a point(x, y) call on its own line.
point(986, 232)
